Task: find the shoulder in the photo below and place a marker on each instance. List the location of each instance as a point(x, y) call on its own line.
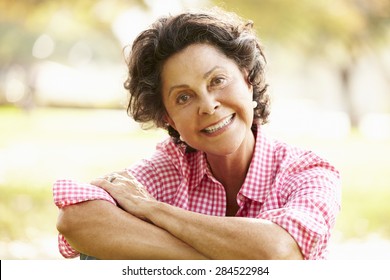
point(165, 159)
point(169, 153)
point(285, 157)
point(293, 159)
point(293, 166)
point(304, 171)
point(166, 169)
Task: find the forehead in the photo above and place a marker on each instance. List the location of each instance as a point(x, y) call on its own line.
point(196, 59)
point(197, 49)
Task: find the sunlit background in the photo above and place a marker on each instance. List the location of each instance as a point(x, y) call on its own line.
point(62, 104)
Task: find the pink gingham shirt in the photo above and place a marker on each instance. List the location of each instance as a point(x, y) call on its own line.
point(291, 187)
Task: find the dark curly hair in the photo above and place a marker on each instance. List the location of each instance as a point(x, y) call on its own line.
point(171, 34)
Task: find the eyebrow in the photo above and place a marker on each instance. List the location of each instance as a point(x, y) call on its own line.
point(205, 76)
point(208, 73)
point(175, 87)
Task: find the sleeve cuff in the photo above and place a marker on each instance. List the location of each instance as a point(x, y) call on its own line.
point(68, 192)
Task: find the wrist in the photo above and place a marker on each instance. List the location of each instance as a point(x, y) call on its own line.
point(154, 210)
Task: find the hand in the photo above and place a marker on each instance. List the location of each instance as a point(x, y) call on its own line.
point(130, 194)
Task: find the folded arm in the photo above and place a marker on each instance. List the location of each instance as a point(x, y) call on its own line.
point(101, 229)
point(226, 237)
point(214, 237)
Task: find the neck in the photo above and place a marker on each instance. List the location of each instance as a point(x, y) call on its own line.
point(231, 169)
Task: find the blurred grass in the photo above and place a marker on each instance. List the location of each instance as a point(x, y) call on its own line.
point(43, 145)
point(26, 213)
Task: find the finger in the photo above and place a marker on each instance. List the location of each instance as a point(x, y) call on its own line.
point(124, 177)
point(101, 183)
point(108, 177)
point(112, 177)
point(117, 178)
point(133, 183)
point(125, 173)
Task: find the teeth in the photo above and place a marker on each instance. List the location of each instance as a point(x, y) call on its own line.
point(219, 125)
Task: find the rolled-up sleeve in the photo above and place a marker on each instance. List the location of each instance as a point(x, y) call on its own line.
point(309, 206)
point(69, 192)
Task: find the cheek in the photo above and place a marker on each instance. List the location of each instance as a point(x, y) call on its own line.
point(240, 95)
point(180, 120)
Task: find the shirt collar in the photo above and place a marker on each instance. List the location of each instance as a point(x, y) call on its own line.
point(260, 176)
point(199, 168)
point(193, 166)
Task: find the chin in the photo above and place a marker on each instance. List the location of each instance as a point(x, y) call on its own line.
point(224, 150)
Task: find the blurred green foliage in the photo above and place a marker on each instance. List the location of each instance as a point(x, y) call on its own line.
point(321, 25)
point(26, 213)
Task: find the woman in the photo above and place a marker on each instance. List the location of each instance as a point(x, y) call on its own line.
point(218, 188)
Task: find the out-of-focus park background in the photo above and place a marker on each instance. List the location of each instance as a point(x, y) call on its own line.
point(62, 104)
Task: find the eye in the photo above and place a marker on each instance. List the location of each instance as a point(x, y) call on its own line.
point(183, 98)
point(218, 81)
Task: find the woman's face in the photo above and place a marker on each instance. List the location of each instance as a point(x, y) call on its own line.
point(208, 99)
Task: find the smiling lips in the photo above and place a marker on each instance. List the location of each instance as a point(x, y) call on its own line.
point(218, 126)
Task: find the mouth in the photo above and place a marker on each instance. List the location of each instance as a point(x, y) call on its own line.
point(219, 126)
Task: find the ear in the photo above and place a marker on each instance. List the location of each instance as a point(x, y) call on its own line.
point(168, 120)
point(245, 73)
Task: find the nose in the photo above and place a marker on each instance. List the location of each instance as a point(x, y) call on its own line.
point(208, 104)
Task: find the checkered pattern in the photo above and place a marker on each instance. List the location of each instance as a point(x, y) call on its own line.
point(291, 187)
point(68, 192)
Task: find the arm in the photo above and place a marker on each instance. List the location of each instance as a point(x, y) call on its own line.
point(100, 229)
point(225, 237)
point(214, 237)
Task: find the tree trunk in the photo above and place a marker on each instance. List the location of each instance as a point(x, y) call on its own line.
point(347, 94)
